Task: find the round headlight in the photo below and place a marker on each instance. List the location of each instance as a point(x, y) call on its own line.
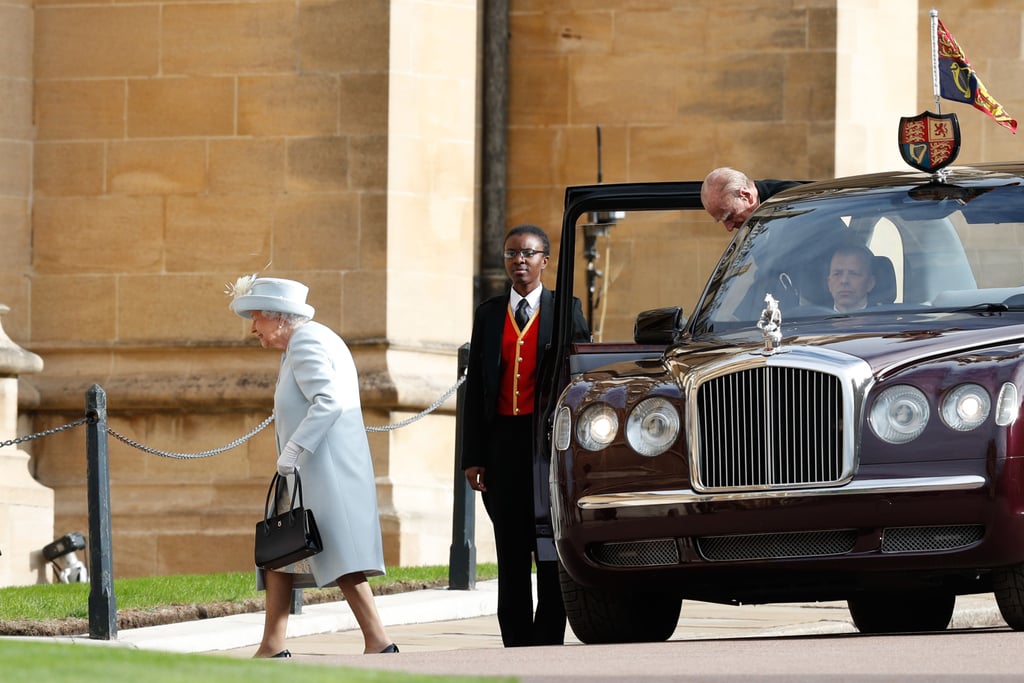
point(900, 414)
point(563, 429)
point(652, 426)
point(597, 426)
point(966, 407)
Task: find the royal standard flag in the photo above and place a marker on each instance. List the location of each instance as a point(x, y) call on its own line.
point(959, 82)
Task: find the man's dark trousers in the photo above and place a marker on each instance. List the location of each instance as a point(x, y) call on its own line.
point(509, 503)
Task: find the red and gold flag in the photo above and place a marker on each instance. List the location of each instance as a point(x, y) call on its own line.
point(958, 81)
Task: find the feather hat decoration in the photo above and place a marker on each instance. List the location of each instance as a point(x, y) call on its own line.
point(241, 286)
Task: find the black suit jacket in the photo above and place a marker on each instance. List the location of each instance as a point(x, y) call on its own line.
point(767, 188)
point(483, 379)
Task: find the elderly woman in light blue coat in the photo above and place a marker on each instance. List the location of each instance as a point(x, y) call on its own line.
point(320, 432)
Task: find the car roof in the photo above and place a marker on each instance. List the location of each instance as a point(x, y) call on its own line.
point(686, 194)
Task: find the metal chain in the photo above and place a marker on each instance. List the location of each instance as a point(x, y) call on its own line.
point(46, 432)
point(192, 456)
point(423, 413)
point(238, 442)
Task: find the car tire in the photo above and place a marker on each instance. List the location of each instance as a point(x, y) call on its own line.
point(1008, 586)
point(606, 616)
point(912, 612)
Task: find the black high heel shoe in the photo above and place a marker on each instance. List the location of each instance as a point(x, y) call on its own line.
point(282, 654)
point(392, 648)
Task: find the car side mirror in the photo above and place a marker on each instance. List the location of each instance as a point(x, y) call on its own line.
point(658, 325)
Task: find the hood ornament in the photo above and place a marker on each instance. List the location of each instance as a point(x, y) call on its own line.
point(770, 324)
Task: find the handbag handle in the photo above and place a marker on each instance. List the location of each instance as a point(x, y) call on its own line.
point(296, 496)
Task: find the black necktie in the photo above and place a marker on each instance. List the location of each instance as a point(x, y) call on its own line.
point(522, 316)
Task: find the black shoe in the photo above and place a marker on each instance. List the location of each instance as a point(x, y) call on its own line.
point(389, 649)
point(281, 654)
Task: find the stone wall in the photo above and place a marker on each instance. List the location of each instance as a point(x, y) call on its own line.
point(16, 134)
point(179, 146)
point(162, 149)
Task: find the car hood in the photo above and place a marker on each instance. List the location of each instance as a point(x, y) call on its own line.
point(886, 344)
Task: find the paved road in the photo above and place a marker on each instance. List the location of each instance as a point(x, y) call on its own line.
point(792, 642)
point(972, 655)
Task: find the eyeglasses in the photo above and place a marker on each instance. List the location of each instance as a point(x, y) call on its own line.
point(525, 253)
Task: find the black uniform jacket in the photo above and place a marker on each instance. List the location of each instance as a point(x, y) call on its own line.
point(483, 381)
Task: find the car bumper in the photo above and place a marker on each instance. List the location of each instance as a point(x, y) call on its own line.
point(797, 544)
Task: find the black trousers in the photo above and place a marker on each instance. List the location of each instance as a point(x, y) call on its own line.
point(509, 503)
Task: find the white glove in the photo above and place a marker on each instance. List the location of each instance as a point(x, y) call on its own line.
point(286, 461)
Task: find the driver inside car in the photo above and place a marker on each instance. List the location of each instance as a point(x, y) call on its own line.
point(850, 279)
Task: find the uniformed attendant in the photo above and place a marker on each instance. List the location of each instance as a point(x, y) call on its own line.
point(509, 332)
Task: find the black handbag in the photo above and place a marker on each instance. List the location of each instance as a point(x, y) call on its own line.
point(282, 539)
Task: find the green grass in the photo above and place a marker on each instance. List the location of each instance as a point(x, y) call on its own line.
point(33, 662)
point(23, 661)
point(69, 601)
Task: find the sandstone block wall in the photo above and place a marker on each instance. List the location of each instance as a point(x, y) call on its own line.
point(153, 151)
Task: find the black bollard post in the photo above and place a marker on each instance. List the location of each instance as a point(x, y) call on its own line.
point(462, 556)
point(102, 603)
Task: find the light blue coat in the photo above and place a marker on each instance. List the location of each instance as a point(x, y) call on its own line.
point(316, 405)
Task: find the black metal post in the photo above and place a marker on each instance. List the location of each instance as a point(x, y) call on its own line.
point(102, 603)
point(296, 604)
point(462, 556)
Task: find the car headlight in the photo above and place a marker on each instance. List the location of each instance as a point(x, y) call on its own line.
point(597, 426)
point(900, 414)
point(966, 407)
point(1007, 406)
point(652, 426)
point(562, 429)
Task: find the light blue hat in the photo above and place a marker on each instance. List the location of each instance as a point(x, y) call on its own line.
point(269, 294)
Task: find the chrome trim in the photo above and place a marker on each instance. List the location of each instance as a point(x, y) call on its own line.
point(855, 379)
point(631, 499)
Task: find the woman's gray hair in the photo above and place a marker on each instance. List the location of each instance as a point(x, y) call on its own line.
point(289, 319)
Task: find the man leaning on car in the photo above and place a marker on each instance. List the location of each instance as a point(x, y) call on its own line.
point(730, 196)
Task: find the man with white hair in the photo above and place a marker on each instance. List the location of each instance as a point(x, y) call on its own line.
point(730, 196)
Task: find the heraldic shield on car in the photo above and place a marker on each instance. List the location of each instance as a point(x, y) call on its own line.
point(836, 418)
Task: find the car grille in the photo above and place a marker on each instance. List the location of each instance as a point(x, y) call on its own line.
point(776, 546)
point(919, 539)
point(769, 427)
point(653, 553)
point(779, 546)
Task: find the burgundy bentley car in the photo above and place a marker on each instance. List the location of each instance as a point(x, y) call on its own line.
point(766, 446)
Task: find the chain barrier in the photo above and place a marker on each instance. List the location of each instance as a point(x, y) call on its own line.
point(237, 442)
point(423, 413)
point(192, 456)
point(45, 432)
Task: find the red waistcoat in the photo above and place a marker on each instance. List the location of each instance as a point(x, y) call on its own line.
point(518, 366)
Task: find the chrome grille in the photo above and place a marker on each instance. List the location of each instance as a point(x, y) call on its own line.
point(777, 546)
point(919, 539)
point(636, 553)
point(768, 427)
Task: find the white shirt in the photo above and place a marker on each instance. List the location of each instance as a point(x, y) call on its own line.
point(532, 299)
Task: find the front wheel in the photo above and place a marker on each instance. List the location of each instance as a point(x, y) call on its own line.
point(618, 616)
point(913, 612)
point(1008, 586)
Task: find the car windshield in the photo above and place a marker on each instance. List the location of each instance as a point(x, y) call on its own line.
point(873, 253)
